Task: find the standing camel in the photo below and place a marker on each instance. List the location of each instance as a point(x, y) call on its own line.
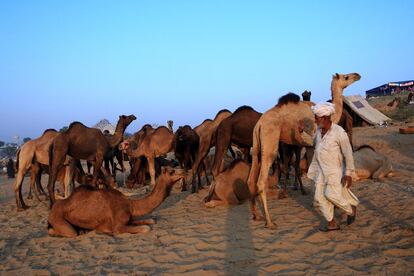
point(84, 143)
point(154, 144)
point(236, 129)
point(186, 143)
point(206, 132)
point(291, 121)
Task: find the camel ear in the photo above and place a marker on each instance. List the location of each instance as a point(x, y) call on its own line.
point(336, 76)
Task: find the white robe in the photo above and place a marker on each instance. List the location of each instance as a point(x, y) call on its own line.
point(327, 170)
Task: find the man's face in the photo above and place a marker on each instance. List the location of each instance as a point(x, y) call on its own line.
point(322, 122)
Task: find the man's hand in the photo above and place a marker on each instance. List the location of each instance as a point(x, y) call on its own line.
point(346, 181)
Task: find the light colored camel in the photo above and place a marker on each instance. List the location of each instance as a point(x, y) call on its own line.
point(388, 107)
point(370, 164)
point(108, 210)
point(338, 84)
point(36, 150)
point(154, 144)
point(205, 132)
point(291, 121)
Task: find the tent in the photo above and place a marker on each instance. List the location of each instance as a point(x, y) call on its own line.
point(360, 107)
point(103, 125)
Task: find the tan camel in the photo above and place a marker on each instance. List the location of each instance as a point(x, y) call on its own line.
point(388, 107)
point(154, 144)
point(84, 143)
point(338, 84)
point(109, 211)
point(291, 121)
point(206, 132)
point(371, 164)
point(36, 150)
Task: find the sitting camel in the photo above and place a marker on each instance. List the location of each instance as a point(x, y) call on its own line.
point(108, 211)
point(230, 186)
point(370, 164)
point(84, 143)
point(154, 144)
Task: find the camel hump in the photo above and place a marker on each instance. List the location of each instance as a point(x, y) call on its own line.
point(49, 130)
point(222, 111)
point(288, 98)
point(74, 124)
point(243, 107)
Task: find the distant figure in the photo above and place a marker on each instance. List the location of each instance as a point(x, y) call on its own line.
point(10, 168)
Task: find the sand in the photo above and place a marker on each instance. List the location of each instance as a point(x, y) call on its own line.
point(189, 239)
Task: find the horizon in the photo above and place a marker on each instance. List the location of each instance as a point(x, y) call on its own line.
point(185, 61)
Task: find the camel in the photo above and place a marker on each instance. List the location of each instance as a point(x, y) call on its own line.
point(370, 164)
point(291, 121)
point(236, 129)
point(391, 106)
point(306, 96)
point(36, 150)
point(82, 142)
point(338, 84)
point(186, 143)
point(170, 124)
point(206, 132)
point(108, 211)
point(153, 144)
point(230, 186)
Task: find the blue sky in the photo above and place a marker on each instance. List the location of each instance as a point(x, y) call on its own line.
point(64, 61)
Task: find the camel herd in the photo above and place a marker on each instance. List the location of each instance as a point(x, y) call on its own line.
point(258, 143)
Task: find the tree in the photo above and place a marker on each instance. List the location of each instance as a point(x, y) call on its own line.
point(26, 139)
point(2, 143)
point(10, 151)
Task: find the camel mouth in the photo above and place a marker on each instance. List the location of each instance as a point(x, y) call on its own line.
point(357, 76)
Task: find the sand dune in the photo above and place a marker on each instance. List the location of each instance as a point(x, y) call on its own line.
point(189, 239)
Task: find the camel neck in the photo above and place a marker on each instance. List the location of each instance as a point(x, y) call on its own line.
point(146, 205)
point(115, 139)
point(337, 101)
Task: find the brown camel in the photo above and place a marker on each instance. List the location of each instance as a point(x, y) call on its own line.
point(108, 211)
point(152, 145)
point(306, 95)
point(170, 124)
point(36, 150)
point(286, 153)
point(206, 132)
point(230, 186)
point(236, 129)
point(84, 143)
point(291, 121)
point(186, 143)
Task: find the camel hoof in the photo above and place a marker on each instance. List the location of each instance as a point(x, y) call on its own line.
point(22, 208)
point(304, 193)
point(270, 225)
point(258, 218)
point(209, 204)
point(282, 195)
point(29, 197)
point(145, 229)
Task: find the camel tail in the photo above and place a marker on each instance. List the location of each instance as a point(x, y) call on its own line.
point(17, 159)
point(50, 156)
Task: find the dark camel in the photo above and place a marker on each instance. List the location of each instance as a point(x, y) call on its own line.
point(84, 143)
point(152, 145)
point(186, 143)
point(108, 211)
point(236, 129)
point(206, 131)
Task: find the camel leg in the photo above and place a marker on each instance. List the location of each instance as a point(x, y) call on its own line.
point(297, 170)
point(23, 167)
point(35, 180)
point(202, 152)
point(132, 229)
point(143, 222)
point(151, 167)
point(57, 161)
point(58, 226)
point(252, 183)
point(96, 168)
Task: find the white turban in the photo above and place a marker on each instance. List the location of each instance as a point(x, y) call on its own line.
point(323, 109)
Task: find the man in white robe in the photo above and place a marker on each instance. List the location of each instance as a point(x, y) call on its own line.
point(332, 179)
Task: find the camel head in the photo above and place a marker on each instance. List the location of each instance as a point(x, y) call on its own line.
point(125, 120)
point(170, 124)
point(168, 177)
point(306, 129)
point(128, 146)
point(344, 80)
point(306, 95)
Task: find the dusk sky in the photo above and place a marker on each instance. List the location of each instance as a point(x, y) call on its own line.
point(64, 61)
